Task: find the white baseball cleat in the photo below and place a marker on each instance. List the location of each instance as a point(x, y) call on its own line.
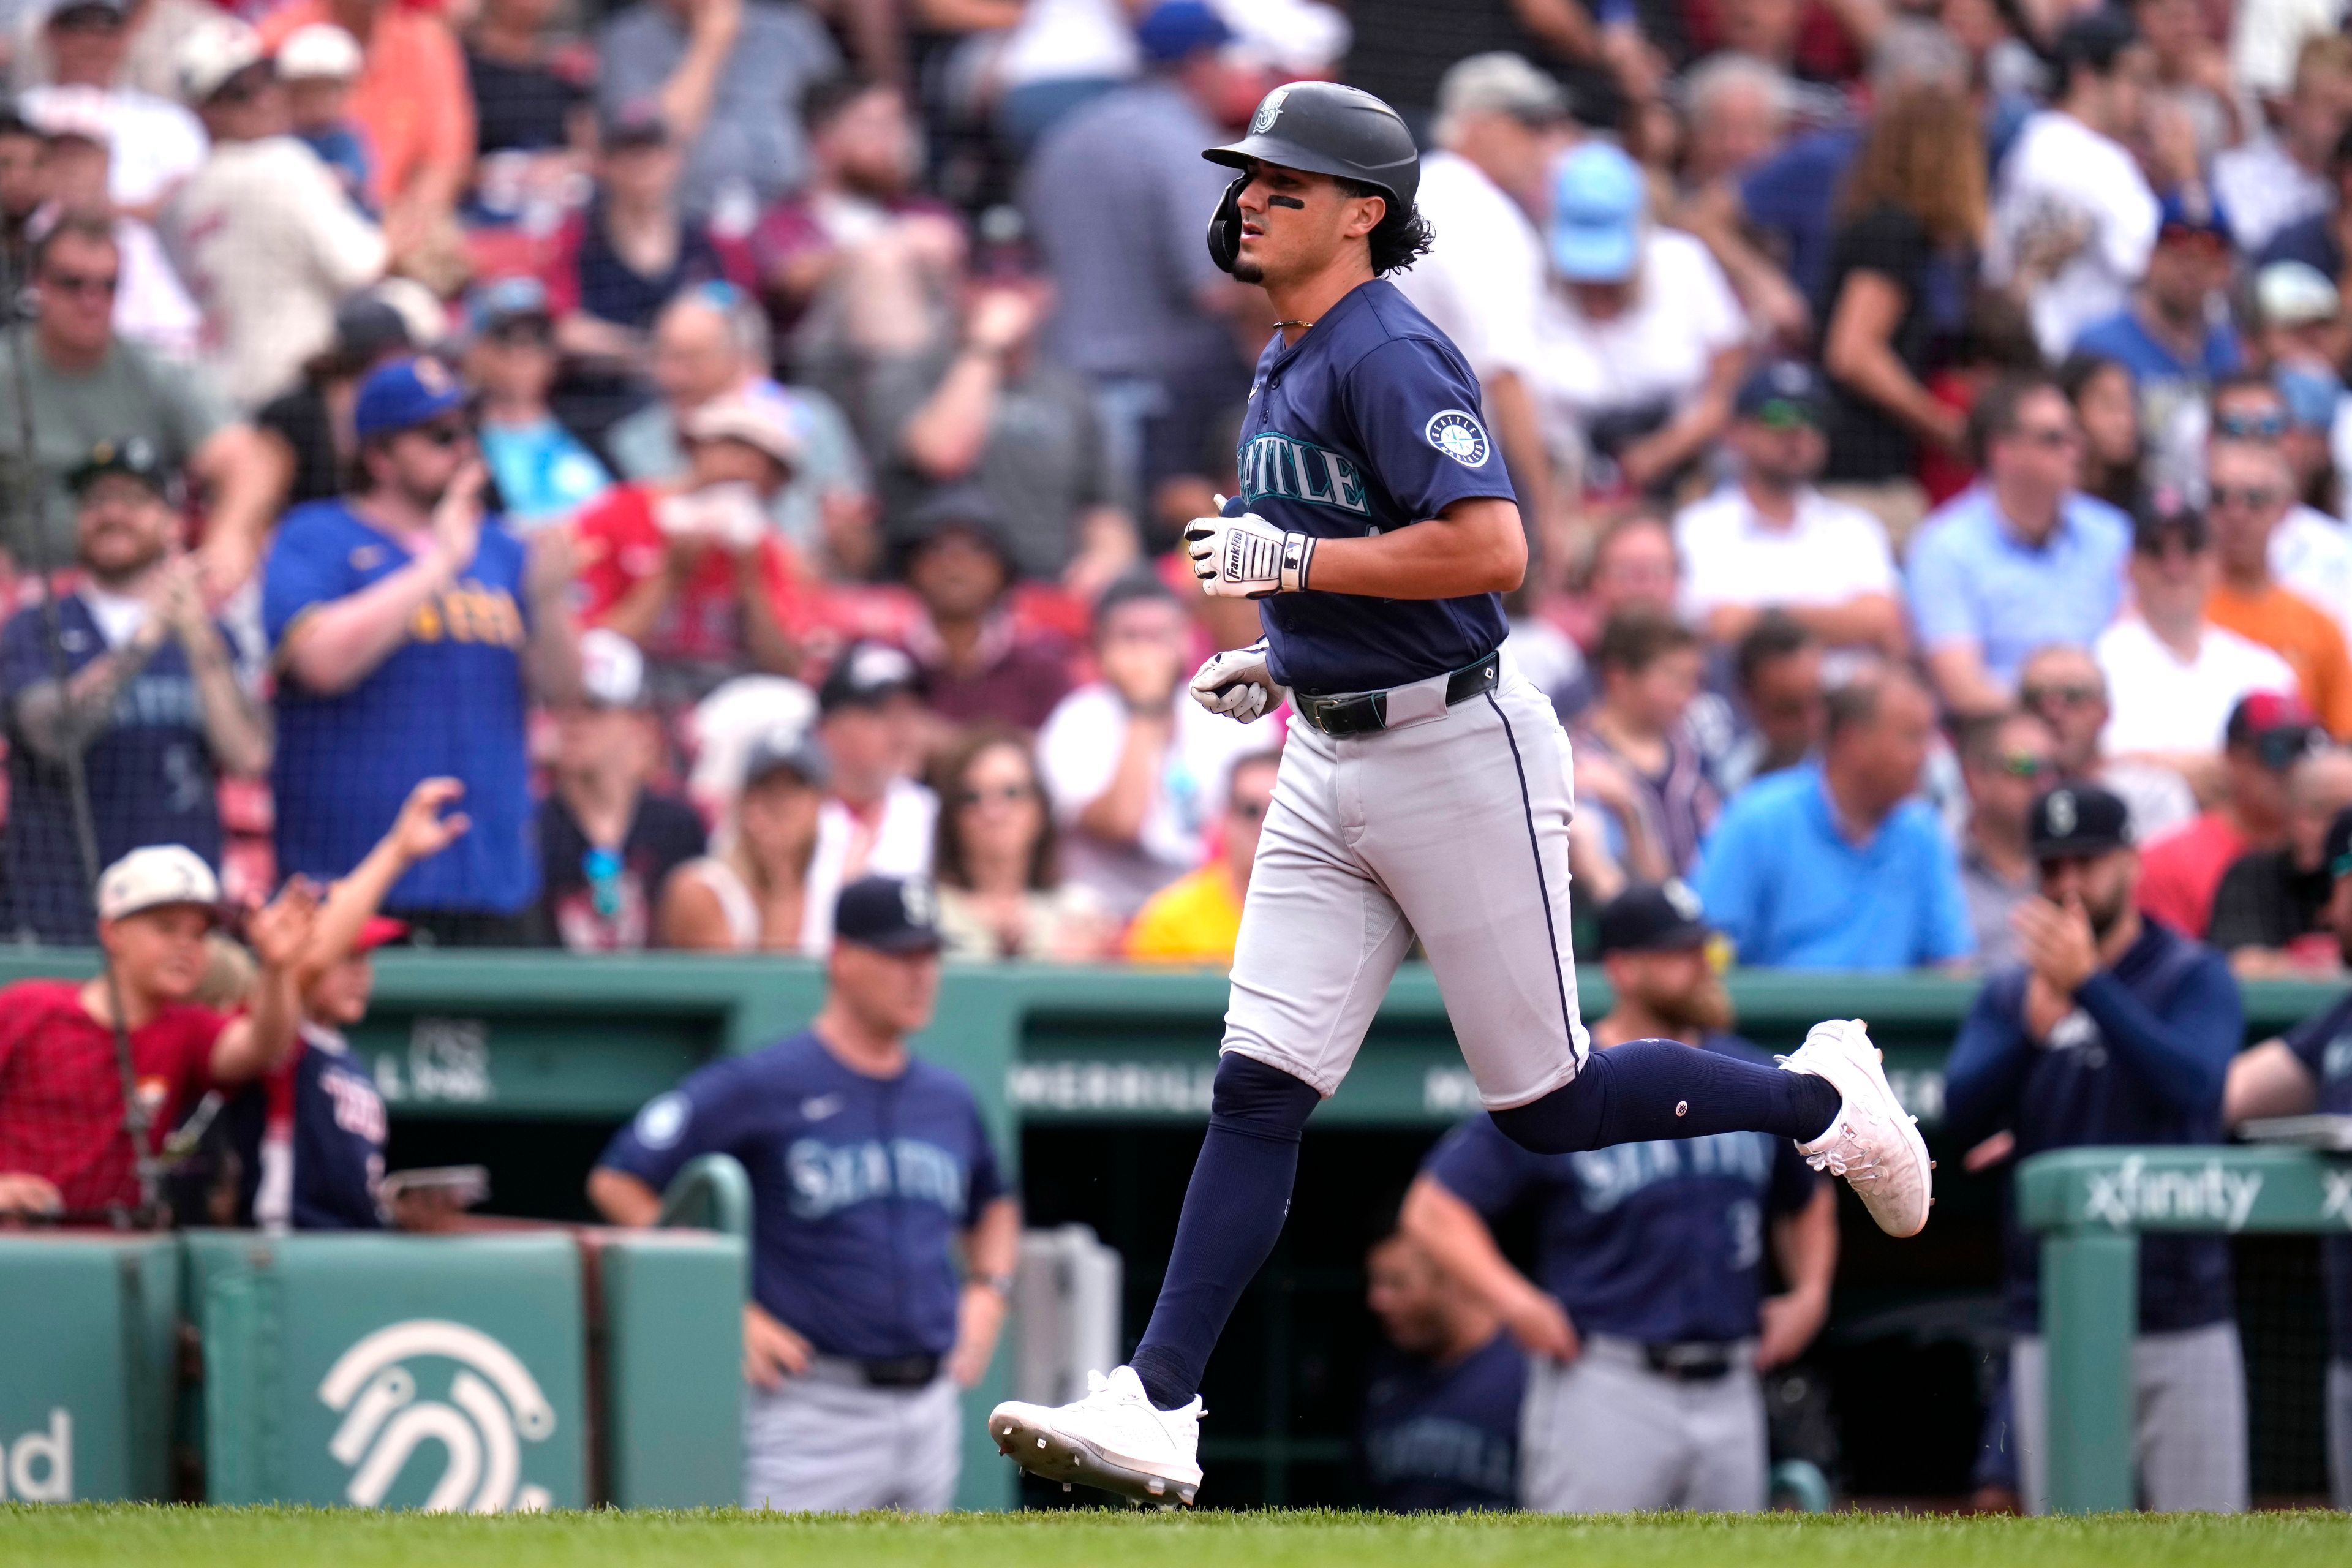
point(1873, 1143)
point(1114, 1438)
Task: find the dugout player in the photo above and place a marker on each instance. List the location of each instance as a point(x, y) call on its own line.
point(2116, 1029)
point(1441, 1423)
point(869, 1169)
point(2310, 1068)
point(1424, 792)
point(1651, 1323)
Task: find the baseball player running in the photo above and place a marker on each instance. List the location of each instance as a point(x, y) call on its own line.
point(1424, 791)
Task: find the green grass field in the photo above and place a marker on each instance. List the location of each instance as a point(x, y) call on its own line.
point(298, 1538)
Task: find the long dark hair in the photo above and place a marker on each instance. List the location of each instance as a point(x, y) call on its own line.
point(948, 864)
point(1402, 237)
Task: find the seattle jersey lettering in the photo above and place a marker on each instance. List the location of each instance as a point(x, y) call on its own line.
point(1609, 1176)
point(1275, 465)
point(829, 1177)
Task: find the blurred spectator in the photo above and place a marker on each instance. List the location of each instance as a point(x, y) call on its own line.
point(153, 31)
point(534, 117)
point(2175, 335)
point(260, 231)
point(544, 472)
point(729, 78)
point(24, 186)
point(1131, 763)
point(2006, 759)
point(139, 682)
point(2072, 218)
point(860, 192)
point(997, 863)
point(2115, 1030)
point(408, 630)
point(2317, 240)
point(1835, 865)
point(2022, 559)
point(1634, 757)
point(2268, 909)
point(630, 250)
point(1059, 55)
point(305, 432)
point(2173, 675)
point(711, 342)
point(607, 840)
point(878, 819)
point(2062, 685)
point(1738, 107)
point(2267, 734)
point(62, 1149)
point(2249, 491)
point(155, 143)
point(318, 65)
point(2191, 76)
point(1117, 198)
point(687, 568)
point(761, 890)
point(982, 664)
point(1441, 1422)
point(1770, 540)
point(152, 307)
point(413, 105)
point(1633, 567)
point(1500, 122)
point(2273, 180)
point(1778, 668)
point(90, 386)
point(1197, 919)
point(2106, 399)
point(2309, 552)
point(1911, 219)
point(1641, 343)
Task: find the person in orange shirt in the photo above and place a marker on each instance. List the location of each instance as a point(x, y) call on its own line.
point(1197, 917)
point(2250, 487)
point(413, 103)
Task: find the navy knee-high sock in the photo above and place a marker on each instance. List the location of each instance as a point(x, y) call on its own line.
point(1233, 1210)
point(1664, 1089)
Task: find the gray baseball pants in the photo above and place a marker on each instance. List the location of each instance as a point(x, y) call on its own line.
point(2189, 1419)
point(826, 1443)
point(1450, 825)
point(2339, 1433)
point(1604, 1434)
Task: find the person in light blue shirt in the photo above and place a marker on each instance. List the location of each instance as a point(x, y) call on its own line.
point(543, 472)
point(2018, 561)
point(1839, 864)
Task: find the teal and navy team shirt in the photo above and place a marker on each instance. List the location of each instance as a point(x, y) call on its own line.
point(2324, 1045)
point(859, 1187)
point(450, 700)
point(1662, 1242)
point(1368, 423)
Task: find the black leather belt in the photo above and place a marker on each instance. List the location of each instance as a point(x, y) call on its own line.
point(1367, 712)
point(901, 1372)
point(1687, 1360)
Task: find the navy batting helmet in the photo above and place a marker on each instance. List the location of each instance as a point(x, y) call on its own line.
point(1322, 127)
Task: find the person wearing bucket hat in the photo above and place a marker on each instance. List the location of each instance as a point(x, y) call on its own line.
point(2115, 1028)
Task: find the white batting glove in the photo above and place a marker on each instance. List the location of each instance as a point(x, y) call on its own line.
point(1238, 684)
point(1246, 557)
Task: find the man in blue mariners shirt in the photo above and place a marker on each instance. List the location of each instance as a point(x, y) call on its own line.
point(869, 1170)
point(2310, 1068)
point(1441, 1423)
point(1651, 1323)
point(2114, 1029)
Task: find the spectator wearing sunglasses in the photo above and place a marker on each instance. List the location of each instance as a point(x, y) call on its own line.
point(2006, 759)
point(2268, 913)
point(2309, 552)
point(2250, 490)
point(2022, 559)
point(1197, 919)
point(996, 859)
point(2267, 734)
point(2062, 686)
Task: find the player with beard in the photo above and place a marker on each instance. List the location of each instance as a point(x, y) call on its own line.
point(2116, 1029)
point(1650, 1324)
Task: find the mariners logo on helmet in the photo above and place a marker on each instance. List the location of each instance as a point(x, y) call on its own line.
point(1458, 436)
point(1268, 111)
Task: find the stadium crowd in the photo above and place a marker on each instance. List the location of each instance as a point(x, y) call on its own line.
point(517, 477)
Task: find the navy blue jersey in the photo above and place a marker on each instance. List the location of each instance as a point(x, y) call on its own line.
point(2140, 1060)
point(337, 1134)
point(1660, 1242)
point(152, 779)
point(2324, 1045)
point(1368, 423)
point(448, 701)
point(859, 1187)
point(1439, 1437)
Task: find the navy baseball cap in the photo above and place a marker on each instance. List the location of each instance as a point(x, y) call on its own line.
point(2276, 726)
point(1654, 917)
point(890, 914)
point(403, 395)
point(135, 457)
point(867, 675)
point(2187, 215)
point(1177, 29)
point(794, 751)
point(2077, 819)
point(1783, 393)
